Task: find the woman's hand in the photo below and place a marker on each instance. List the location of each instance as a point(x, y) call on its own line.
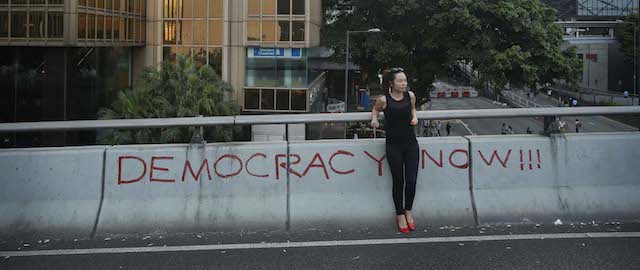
point(375, 124)
point(414, 121)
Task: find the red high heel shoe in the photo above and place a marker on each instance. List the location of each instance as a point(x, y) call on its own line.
point(402, 230)
point(412, 226)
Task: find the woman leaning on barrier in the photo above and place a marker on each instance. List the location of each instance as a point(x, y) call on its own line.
point(399, 107)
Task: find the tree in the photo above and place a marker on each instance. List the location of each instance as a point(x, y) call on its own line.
point(625, 36)
point(179, 88)
point(507, 41)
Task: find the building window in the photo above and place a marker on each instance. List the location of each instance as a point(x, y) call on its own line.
point(19, 24)
point(118, 21)
point(194, 28)
point(55, 25)
point(285, 29)
point(4, 24)
point(277, 79)
point(298, 7)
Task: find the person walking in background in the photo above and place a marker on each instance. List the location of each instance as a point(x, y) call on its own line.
point(574, 103)
point(425, 128)
point(504, 129)
point(578, 126)
point(448, 128)
point(561, 125)
point(529, 130)
point(626, 94)
point(399, 107)
point(510, 131)
point(438, 127)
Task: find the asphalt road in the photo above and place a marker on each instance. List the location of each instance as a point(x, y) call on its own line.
point(463, 127)
point(569, 246)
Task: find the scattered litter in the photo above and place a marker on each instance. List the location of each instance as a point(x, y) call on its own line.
point(151, 244)
point(583, 245)
point(19, 248)
point(7, 257)
point(441, 228)
point(160, 237)
point(75, 240)
point(165, 246)
point(593, 222)
point(618, 228)
point(572, 224)
point(122, 239)
point(26, 245)
point(223, 252)
point(461, 244)
point(558, 222)
point(425, 230)
point(46, 241)
point(107, 239)
point(339, 230)
point(484, 229)
point(508, 247)
point(458, 228)
point(453, 230)
point(509, 226)
point(537, 225)
point(40, 242)
point(262, 242)
point(199, 236)
point(482, 232)
point(617, 223)
point(355, 258)
point(583, 224)
point(284, 250)
point(606, 223)
point(146, 237)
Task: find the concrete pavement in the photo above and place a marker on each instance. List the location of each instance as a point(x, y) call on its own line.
point(519, 125)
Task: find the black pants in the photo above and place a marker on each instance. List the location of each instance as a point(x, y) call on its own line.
point(401, 156)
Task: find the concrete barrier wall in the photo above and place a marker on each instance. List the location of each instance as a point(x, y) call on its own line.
point(244, 186)
point(50, 191)
point(570, 177)
point(515, 178)
point(154, 188)
point(601, 173)
point(348, 183)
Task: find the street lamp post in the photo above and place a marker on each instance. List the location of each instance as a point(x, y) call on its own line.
point(346, 68)
point(346, 72)
point(635, 58)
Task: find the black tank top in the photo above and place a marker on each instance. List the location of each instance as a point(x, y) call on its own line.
point(397, 118)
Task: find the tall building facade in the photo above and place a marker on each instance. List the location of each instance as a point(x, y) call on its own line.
point(65, 59)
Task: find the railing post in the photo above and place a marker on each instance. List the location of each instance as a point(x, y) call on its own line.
point(198, 134)
point(550, 125)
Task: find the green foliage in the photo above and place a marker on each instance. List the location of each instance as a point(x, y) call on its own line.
point(179, 89)
point(507, 41)
point(625, 35)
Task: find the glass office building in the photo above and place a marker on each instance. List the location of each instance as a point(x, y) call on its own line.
point(65, 59)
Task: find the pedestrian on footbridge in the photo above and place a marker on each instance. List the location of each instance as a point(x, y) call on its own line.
point(399, 107)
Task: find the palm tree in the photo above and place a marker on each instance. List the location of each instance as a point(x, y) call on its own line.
point(179, 89)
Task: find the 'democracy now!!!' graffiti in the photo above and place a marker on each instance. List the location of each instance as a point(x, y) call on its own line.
point(134, 169)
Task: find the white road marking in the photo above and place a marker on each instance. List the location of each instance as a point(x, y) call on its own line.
point(366, 242)
point(467, 127)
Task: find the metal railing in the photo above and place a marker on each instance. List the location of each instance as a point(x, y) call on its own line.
point(521, 101)
point(305, 118)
